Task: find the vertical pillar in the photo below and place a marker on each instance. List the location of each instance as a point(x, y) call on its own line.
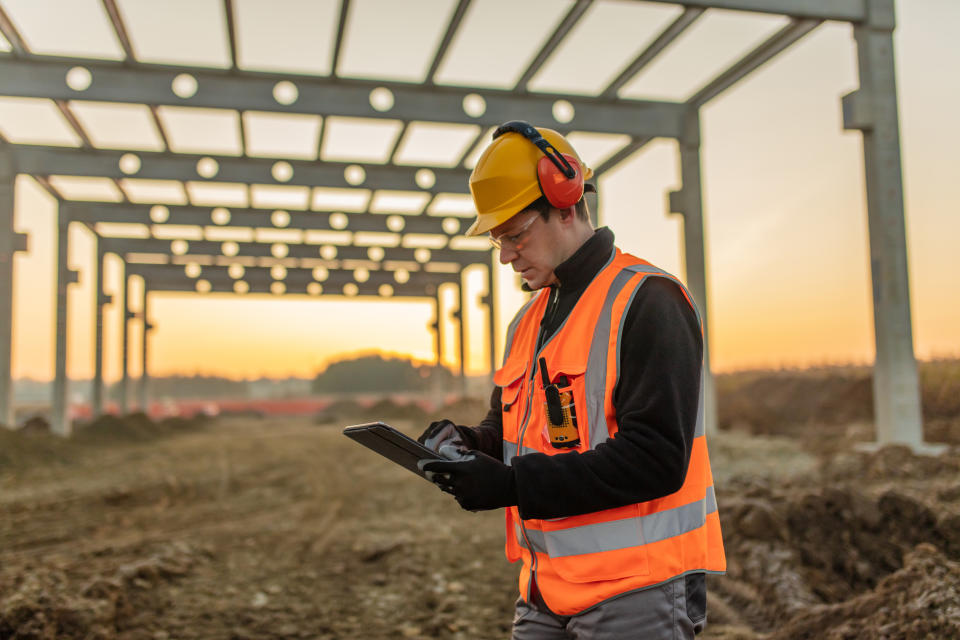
point(491, 322)
point(64, 277)
point(688, 202)
point(10, 243)
point(437, 331)
point(125, 316)
point(144, 375)
point(462, 322)
point(101, 299)
point(872, 109)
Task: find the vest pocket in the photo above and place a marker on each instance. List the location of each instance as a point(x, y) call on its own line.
point(606, 545)
point(570, 382)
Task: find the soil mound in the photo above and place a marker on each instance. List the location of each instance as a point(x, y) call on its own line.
point(921, 600)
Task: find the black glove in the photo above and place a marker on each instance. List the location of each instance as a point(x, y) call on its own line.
point(443, 432)
point(478, 482)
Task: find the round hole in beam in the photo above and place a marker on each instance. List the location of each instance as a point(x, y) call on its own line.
point(563, 111)
point(184, 86)
point(278, 272)
point(314, 288)
point(207, 167)
point(396, 223)
point(241, 287)
point(280, 218)
point(385, 290)
point(192, 269)
point(220, 215)
point(425, 178)
point(179, 247)
point(79, 78)
point(474, 105)
point(361, 275)
point(354, 175)
point(401, 276)
point(236, 271)
point(279, 250)
point(285, 92)
point(450, 226)
point(129, 163)
point(328, 252)
point(230, 248)
point(320, 274)
point(159, 213)
point(338, 220)
point(278, 288)
point(203, 286)
point(350, 289)
point(381, 99)
point(282, 171)
point(375, 253)
point(421, 255)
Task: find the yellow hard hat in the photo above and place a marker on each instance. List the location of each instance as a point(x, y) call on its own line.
point(520, 165)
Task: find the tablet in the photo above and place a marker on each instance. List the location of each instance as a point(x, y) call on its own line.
point(392, 444)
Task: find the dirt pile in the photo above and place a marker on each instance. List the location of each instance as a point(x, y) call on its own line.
point(47, 603)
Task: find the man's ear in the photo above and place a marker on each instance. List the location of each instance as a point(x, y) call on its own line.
point(568, 215)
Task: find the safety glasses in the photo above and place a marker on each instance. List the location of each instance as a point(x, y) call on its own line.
point(516, 240)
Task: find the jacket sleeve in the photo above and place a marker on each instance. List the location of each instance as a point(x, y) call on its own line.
point(656, 400)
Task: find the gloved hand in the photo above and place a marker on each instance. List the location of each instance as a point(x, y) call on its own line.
point(477, 481)
point(440, 433)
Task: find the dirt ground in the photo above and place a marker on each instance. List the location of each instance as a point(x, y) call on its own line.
point(243, 528)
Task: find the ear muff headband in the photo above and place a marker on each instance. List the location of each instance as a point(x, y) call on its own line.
point(559, 175)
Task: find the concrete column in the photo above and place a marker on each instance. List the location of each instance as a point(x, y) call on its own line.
point(490, 301)
point(63, 278)
point(144, 375)
point(872, 110)
point(437, 331)
point(126, 315)
point(10, 243)
point(462, 322)
point(688, 202)
point(101, 299)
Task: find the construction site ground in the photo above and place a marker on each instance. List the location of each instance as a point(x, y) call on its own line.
point(244, 527)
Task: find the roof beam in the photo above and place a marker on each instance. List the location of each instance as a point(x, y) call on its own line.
point(763, 53)
point(92, 213)
point(848, 10)
point(364, 289)
point(662, 41)
point(124, 246)
point(620, 156)
point(12, 35)
point(119, 28)
point(294, 276)
point(452, 27)
point(338, 41)
point(569, 22)
point(152, 85)
point(40, 160)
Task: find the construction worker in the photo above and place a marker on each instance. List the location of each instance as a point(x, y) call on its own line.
point(594, 442)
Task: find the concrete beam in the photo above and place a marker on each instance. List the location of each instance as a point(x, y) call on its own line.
point(125, 246)
point(152, 85)
point(847, 10)
point(92, 213)
point(45, 161)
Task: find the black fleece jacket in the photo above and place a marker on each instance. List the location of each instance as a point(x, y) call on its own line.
point(655, 400)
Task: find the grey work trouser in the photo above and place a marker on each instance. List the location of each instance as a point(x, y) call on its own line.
point(657, 613)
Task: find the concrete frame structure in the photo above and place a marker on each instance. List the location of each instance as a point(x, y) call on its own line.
point(871, 110)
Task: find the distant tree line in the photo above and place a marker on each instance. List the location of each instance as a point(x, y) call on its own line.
point(380, 374)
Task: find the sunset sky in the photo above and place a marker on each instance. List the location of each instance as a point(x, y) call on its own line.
point(788, 264)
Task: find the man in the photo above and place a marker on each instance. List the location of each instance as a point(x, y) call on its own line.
point(594, 442)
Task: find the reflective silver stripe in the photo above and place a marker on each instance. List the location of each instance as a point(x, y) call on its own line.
point(625, 533)
point(509, 451)
point(595, 379)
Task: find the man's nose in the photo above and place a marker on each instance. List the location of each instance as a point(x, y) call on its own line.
point(507, 254)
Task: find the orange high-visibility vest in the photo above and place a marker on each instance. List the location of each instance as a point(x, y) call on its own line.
point(580, 561)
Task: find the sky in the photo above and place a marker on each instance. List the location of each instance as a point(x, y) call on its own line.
point(787, 258)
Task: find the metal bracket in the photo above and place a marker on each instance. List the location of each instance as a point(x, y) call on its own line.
point(21, 242)
point(675, 203)
point(858, 113)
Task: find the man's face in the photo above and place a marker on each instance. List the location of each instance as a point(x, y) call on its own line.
point(528, 244)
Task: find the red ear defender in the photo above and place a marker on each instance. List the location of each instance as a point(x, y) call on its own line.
point(562, 192)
